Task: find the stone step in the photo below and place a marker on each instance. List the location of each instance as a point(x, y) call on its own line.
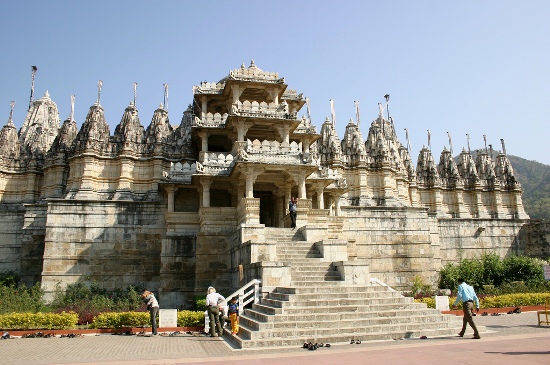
point(298, 257)
point(329, 289)
point(365, 307)
point(256, 319)
point(305, 329)
point(267, 313)
point(385, 333)
point(307, 302)
point(334, 296)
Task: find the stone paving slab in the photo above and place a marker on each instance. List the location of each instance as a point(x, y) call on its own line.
point(508, 336)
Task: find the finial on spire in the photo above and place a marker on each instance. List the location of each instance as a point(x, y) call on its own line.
point(408, 141)
point(308, 111)
point(357, 113)
point(450, 143)
point(135, 93)
point(99, 86)
point(468, 141)
point(33, 72)
point(387, 97)
point(252, 63)
point(429, 144)
point(485, 142)
point(166, 95)
point(332, 113)
point(71, 116)
point(12, 105)
point(503, 146)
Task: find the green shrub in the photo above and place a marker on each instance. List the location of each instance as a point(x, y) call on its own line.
point(9, 278)
point(190, 318)
point(121, 319)
point(501, 301)
point(21, 299)
point(200, 303)
point(26, 321)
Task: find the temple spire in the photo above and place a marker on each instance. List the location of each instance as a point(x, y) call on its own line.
point(33, 70)
point(165, 96)
point(99, 86)
point(408, 140)
point(332, 113)
point(12, 106)
point(357, 113)
point(71, 116)
point(503, 146)
point(450, 143)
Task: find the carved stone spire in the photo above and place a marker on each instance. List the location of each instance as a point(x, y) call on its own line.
point(129, 133)
point(352, 144)
point(328, 146)
point(40, 127)
point(484, 166)
point(426, 171)
point(9, 143)
point(447, 169)
point(408, 168)
point(467, 168)
point(505, 173)
point(158, 132)
point(94, 134)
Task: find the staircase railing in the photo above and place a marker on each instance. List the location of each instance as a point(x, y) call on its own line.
point(249, 293)
point(376, 281)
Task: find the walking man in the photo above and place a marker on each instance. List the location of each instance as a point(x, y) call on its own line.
point(468, 297)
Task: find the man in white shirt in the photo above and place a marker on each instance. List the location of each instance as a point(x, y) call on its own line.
point(212, 300)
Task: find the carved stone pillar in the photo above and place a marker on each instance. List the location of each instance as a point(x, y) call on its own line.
point(206, 181)
point(236, 93)
point(302, 186)
point(204, 106)
point(204, 139)
point(320, 199)
point(242, 128)
point(170, 190)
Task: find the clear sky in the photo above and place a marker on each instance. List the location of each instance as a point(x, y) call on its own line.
point(464, 66)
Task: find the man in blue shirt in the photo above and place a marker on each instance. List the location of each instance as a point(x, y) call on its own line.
point(292, 209)
point(468, 297)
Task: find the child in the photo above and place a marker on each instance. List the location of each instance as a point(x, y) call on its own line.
point(233, 312)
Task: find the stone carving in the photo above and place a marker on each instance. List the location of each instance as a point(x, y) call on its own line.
point(94, 135)
point(426, 171)
point(158, 132)
point(129, 133)
point(447, 170)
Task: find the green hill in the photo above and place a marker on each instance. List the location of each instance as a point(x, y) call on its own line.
point(535, 183)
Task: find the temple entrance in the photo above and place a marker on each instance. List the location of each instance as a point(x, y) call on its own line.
point(267, 208)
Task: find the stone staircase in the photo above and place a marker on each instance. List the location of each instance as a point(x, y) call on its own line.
point(319, 307)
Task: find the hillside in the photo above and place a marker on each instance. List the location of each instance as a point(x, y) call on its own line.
point(535, 183)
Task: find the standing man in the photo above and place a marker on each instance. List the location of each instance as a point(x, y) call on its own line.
point(153, 308)
point(212, 300)
point(292, 210)
point(468, 297)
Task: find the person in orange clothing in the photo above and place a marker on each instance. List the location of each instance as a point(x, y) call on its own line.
point(233, 312)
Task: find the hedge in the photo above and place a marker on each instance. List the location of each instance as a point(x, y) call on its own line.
point(186, 318)
point(25, 321)
point(501, 301)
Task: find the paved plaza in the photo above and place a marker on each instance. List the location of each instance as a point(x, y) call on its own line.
point(509, 339)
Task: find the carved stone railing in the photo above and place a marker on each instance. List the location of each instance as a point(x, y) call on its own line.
point(210, 120)
point(274, 152)
point(209, 88)
point(215, 163)
point(181, 172)
point(292, 95)
point(263, 109)
point(255, 74)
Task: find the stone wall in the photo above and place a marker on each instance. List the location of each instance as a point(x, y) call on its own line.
point(11, 232)
point(115, 244)
point(534, 239)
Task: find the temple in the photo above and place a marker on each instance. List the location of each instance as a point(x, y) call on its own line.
point(178, 208)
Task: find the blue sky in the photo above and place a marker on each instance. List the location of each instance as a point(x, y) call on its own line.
point(477, 67)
